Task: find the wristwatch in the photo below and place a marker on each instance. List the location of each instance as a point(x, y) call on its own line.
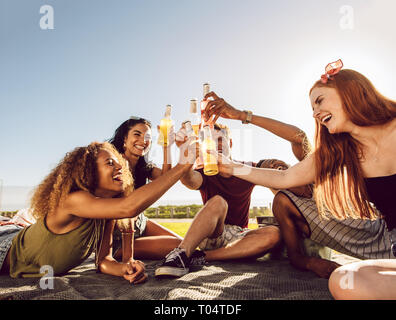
point(248, 117)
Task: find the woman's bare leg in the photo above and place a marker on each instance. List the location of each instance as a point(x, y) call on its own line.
point(365, 280)
point(155, 229)
point(154, 247)
point(293, 227)
point(156, 242)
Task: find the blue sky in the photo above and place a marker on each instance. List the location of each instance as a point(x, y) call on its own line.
point(107, 60)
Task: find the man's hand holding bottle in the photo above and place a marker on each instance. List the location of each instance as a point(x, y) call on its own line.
point(189, 150)
point(217, 107)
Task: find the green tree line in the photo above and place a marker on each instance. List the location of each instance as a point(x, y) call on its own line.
point(177, 212)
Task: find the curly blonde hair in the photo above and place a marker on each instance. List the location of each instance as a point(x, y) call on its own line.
point(76, 171)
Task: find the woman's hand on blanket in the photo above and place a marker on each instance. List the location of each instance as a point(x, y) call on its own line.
point(134, 271)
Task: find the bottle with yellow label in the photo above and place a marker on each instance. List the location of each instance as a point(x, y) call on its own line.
point(209, 160)
point(165, 125)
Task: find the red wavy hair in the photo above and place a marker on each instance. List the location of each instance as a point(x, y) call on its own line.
point(339, 182)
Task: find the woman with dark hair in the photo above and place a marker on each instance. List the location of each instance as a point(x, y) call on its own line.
point(352, 168)
point(76, 207)
point(133, 140)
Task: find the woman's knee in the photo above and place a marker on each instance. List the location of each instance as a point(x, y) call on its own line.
point(351, 282)
point(338, 284)
point(285, 210)
point(281, 205)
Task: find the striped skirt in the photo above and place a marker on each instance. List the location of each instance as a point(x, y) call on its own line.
point(363, 239)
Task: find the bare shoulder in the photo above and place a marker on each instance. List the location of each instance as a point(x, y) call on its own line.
point(80, 194)
point(78, 198)
point(86, 205)
point(64, 219)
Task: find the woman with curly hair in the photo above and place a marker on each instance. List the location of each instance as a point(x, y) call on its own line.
point(133, 140)
point(352, 167)
point(76, 206)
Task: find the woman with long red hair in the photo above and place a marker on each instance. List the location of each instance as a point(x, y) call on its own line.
point(352, 167)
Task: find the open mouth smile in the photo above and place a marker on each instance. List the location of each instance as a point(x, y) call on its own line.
point(325, 119)
point(118, 177)
point(139, 147)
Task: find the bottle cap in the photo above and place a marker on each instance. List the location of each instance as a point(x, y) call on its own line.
point(168, 111)
point(206, 89)
point(193, 106)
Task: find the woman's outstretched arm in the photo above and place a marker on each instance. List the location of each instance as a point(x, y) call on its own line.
point(85, 205)
point(301, 174)
point(218, 107)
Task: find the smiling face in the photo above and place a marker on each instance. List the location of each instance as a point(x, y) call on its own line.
point(328, 111)
point(138, 140)
point(109, 173)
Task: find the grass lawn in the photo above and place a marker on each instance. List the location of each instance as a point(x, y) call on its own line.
point(181, 227)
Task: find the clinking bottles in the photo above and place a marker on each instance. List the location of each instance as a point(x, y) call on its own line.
point(195, 118)
point(209, 160)
point(165, 125)
point(206, 90)
point(190, 132)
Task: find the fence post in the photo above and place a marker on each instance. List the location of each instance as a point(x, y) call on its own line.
point(156, 212)
point(172, 212)
point(188, 212)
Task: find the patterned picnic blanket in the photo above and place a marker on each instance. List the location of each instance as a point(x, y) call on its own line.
point(262, 279)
